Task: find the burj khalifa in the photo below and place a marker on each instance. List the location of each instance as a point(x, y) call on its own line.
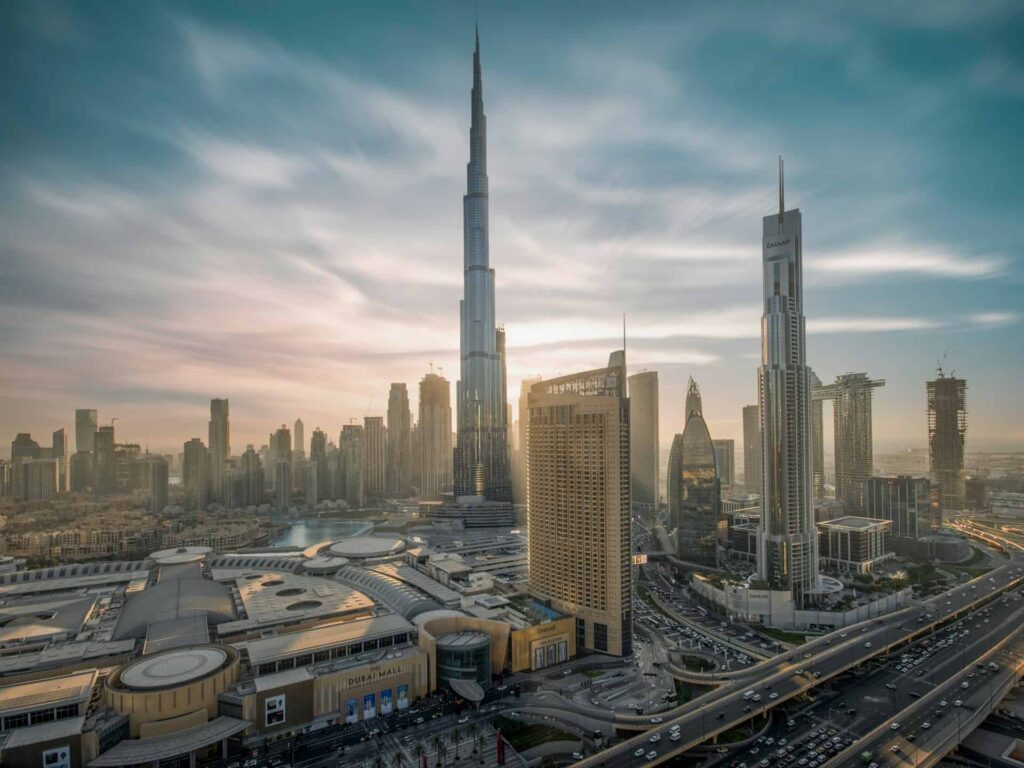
point(481, 453)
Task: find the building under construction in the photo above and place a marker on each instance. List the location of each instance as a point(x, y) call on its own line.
point(851, 404)
point(947, 430)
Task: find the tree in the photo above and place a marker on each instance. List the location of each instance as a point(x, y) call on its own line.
point(439, 745)
point(456, 735)
point(473, 731)
point(419, 751)
point(399, 760)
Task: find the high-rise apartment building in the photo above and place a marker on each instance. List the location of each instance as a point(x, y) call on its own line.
point(435, 436)
point(752, 448)
point(195, 474)
point(579, 503)
point(24, 447)
point(817, 439)
point(725, 458)
point(851, 407)
point(220, 444)
point(906, 501)
point(519, 477)
point(282, 447)
point(787, 555)
point(104, 461)
point(299, 446)
point(61, 451)
point(694, 488)
point(375, 456)
point(157, 480)
point(35, 479)
point(352, 456)
point(947, 433)
point(481, 454)
point(86, 426)
point(252, 472)
point(643, 440)
point(399, 467)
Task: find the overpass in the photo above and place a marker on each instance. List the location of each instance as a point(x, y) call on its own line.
point(785, 677)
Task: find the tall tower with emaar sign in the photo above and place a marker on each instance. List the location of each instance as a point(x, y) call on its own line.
point(787, 543)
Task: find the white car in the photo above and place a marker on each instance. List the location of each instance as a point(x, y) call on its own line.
point(925, 726)
point(894, 727)
point(651, 755)
point(958, 703)
point(639, 752)
point(655, 738)
point(773, 695)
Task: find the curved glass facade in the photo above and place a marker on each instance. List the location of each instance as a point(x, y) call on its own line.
point(464, 656)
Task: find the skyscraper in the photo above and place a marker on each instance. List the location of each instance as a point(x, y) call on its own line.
point(435, 436)
point(851, 408)
point(481, 458)
point(62, 453)
point(752, 448)
point(906, 501)
point(220, 444)
point(817, 440)
point(103, 460)
point(643, 440)
point(157, 471)
point(375, 456)
point(694, 489)
point(317, 467)
point(522, 453)
point(725, 457)
point(299, 447)
point(352, 458)
point(787, 555)
point(85, 429)
point(252, 469)
point(195, 474)
point(399, 474)
point(579, 503)
point(947, 432)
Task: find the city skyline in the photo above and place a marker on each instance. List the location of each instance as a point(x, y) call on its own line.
point(214, 256)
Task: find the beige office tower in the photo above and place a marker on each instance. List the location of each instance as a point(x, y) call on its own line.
point(579, 502)
point(643, 440)
point(220, 444)
point(522, 423)
point(375, 456)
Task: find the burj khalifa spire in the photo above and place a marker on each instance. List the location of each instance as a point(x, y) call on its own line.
point(481, 453)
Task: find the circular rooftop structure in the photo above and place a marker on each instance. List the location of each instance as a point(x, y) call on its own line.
point(323, 565)
point(180, 555)
point(464, 640)
point(366, 547)
point(173, 669)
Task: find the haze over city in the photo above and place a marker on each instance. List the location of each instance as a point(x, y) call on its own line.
point(266, 206)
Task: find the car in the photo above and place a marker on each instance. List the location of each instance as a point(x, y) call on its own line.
point(639, 752)
point(577, 755)
point(463, 720)
point(655, 738)
point(657, 720)
point(843, 635)
point(773, 695)
point(420, 720)
point(867, 645)
point(651, 755)
point(799, 672)
point(943, 703)
point(894, 727)
point(676, 736)
point(890, 686)
point(958, 703)
point(894, 748)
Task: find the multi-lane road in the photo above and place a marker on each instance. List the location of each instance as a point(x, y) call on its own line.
point(787, 675)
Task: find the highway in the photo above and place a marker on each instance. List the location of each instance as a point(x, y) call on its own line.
point(791, 674)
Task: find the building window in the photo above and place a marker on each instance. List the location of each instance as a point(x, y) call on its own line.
point(581, 634)
point(600, 636)
point(274, 710)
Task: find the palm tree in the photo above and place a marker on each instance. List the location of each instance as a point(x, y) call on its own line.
point(473, 731)
point(438, 746)
point(419, 751)
point(399, 760)
point(456, 735)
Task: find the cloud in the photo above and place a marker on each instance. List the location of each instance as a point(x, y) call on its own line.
point(881, 259)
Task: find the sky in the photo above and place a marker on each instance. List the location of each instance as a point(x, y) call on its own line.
point(262, 201)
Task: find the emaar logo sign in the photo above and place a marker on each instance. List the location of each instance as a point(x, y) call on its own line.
point(777, 243)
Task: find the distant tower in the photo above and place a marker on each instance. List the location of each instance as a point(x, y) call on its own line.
point(643, 440)
point(195, 474)
point(282, 468)
point(947, 433)
point(435, 436)
point(299, 449)
point(579, 511)
point(817, 439)
point(787, 556)
point(375, 456)
point(220, 444)
point(694, 488)
point(352, 458)
point(254, 483)
point(158, 483)
point(481, 454)
point(851, 406)
point(725, 458)
point(104, 461)
point(62, 453)
point(752, 448)
point(85, 429)
point(399, 468)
